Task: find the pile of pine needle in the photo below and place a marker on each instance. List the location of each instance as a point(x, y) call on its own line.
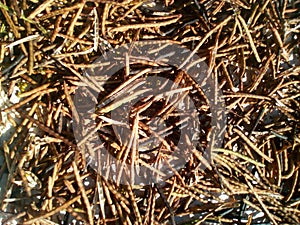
point(251, 48)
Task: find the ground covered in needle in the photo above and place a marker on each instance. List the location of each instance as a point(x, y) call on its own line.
point(47, 50)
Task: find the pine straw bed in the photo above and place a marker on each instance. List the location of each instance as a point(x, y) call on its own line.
point(251, 47)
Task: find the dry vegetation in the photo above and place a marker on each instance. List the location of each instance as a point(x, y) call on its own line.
point(250, 46)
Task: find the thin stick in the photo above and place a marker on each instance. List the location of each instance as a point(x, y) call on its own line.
point(60, 11)
point(250, 38)
point(250, 143)
point(18, 105)
point(246, 95)
point(23, 40)
point(104, 17)
point(239, 155)
point(55, 211)
point(83, 193)
point(144, 25)
point(261, 203)
point(39, 9)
